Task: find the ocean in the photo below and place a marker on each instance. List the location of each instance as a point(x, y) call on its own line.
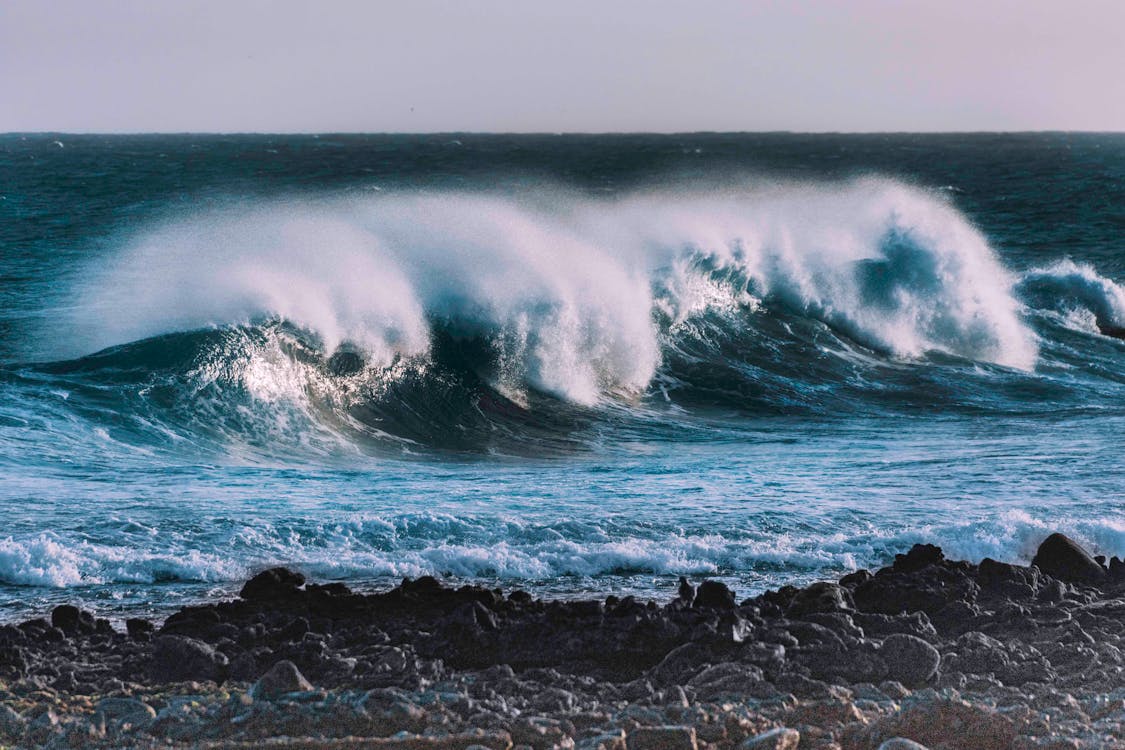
point(576, 365)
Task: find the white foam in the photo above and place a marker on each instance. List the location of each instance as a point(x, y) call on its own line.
point(520, 553)
point(1078, 291)
point(568, 290)
point(47, 559)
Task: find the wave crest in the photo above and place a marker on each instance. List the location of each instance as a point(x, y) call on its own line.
point(574, 297)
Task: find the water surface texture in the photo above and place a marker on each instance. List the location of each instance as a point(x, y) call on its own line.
point(563, 363)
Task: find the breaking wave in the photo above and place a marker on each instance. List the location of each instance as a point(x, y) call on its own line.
point(486, 321)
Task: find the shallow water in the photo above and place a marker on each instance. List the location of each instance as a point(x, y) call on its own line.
point(566, 363)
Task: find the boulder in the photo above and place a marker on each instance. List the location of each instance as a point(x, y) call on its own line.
point(926, 590)
point(138, 628)
point(72, 620)
point(909, 659)
point(272, 584)
point(177, 658)
point(919, 556)
point(282, 678)
point(714, 595)
point(1061, 557)
point(819, 598)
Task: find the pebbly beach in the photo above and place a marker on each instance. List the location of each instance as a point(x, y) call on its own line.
point(927, 652)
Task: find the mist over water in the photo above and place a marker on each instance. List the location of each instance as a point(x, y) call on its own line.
point(379, 357)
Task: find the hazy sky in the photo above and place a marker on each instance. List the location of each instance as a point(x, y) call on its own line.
point(423, 65)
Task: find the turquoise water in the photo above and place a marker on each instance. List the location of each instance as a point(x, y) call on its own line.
point(568, 364)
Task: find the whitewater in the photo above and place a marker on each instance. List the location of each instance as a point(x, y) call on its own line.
point(559, 363)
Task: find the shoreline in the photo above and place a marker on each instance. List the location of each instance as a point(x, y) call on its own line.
point(944, 653)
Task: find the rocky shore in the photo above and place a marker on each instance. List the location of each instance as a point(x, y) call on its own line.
point(925, 653)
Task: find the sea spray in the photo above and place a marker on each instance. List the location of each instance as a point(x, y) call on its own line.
point(575, 297)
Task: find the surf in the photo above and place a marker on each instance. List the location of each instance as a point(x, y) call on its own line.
point(524, 324)
point(576, 295)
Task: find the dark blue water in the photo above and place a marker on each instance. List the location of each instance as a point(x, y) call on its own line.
point(567, 363)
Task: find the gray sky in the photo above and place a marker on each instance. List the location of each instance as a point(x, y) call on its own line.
point(576, 65)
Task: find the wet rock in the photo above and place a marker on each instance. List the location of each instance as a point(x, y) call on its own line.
point(781, 738)
point(72, 620)
point(851, 580)
point(283, 677)
point(919, 556)
point(274, 583)
point(714, 595)
point(685, 592)
point(177, 658)
point(1061, 557)
point(926, 590)
point(909, 659)
point(996, 574)
point(139, 629)
point(820, 598)
point(661, 738)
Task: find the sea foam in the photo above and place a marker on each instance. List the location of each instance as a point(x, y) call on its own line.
point(576, 297)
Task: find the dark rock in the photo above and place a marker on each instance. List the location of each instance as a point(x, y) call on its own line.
point(294, 631)
point(840, 623)
point(880, 625)
point(686, 592)
point(176, 658)
point(926, 590)
point(72, 620)
point(139, 629)
point(909, 659)
point(977, 653)
point(424, 586)
point(919, 556)
point(195, 622)
point(13, 661)
point(679, 663)
point(274, 583)
point(851, 580)
point(714, 595)
point(725, 680)
point(335, 589)
point(1061, 557)
point(282, 678)
point(996, 574)
point(956, 618)
point(861, 663)
point(819, 598)
point(779, 599)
